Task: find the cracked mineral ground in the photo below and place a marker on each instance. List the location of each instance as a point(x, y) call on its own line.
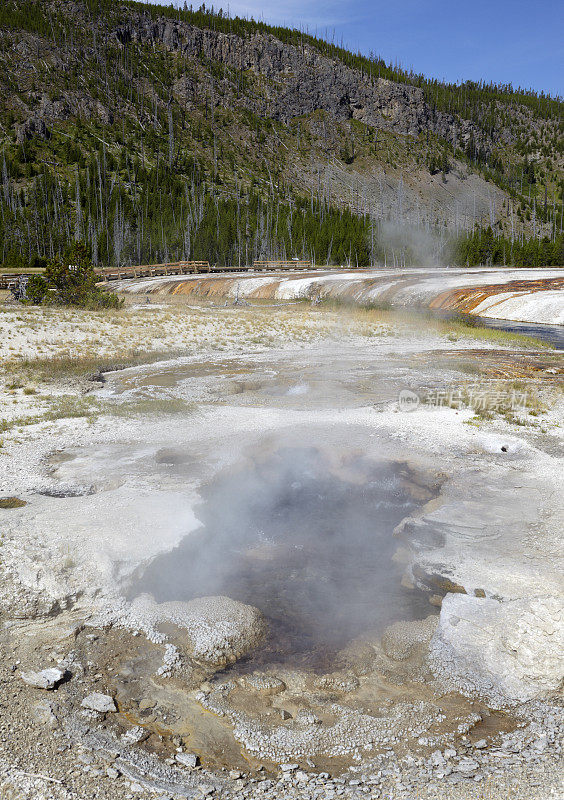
point(298, 552)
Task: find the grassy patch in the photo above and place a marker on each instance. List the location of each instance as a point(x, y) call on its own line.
point(90, 407)
point(515, 401)
point(67, 407)
point(326, 303)
point(150, 405)
point(454, 328)
point(55, 368)
point(11, 502)
point(468, 367)
point(70, 407)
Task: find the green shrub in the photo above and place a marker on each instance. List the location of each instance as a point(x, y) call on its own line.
point(36, 289)
point(71, 281)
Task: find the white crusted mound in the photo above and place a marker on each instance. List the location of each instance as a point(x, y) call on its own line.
point(505, 651)
point(402, 639)
point(390, 285)
point(219, 630)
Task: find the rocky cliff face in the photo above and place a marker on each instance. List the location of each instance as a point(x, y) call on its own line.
point(301, 80)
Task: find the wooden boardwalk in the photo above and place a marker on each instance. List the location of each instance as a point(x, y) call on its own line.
point(196, 268)
point(153, 270)
point(9, 279)
point(292, 263)
point(179, 268)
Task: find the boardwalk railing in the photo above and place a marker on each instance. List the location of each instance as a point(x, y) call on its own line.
point(191, 268)
point(282, 264)
point(177, 268)
point(8, 280)
point(151, 270)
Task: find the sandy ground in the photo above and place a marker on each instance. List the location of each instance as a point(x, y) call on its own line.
point(81, 455)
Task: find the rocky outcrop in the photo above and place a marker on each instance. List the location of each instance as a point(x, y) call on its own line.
point(73, 104)
point(34, 126)
point(300, 80)
point(503, 651)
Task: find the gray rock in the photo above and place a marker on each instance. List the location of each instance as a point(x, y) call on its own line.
point(467, 767)
point(264, 684)
point(43, 712)
point(34, 126)
point(436, 759)
point(44, 679)
point(99, 702)
point(134, 735)
point(187, 759)
point(442, 772)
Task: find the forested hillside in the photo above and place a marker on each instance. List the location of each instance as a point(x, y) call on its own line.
point(156, 134)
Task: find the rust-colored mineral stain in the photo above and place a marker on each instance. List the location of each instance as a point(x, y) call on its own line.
point(205, 287)
point(266, 291)
point(215, 286)
point(470, 297)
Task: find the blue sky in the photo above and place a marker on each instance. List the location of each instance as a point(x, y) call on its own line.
point(514, 41)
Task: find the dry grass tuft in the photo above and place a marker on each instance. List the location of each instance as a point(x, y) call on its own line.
point(55, 368)
point(11, 502)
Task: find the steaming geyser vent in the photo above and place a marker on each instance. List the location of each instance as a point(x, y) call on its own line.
point(308, 543)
